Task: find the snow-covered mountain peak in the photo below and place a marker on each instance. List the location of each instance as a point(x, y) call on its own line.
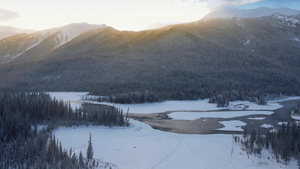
point(75, 28)
point(66, 33)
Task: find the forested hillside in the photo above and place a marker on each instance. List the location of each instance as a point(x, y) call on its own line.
point(241, 57)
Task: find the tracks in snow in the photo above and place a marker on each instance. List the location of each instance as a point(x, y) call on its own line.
point(173, 152)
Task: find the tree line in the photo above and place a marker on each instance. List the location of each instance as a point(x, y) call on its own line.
point(22, 145)
point(221, 98)
point(284, 143)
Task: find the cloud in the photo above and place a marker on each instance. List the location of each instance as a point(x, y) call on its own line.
point(228, 2)
point(282, 2)
point(294, 4)
point(216, 4)
point(6, 15)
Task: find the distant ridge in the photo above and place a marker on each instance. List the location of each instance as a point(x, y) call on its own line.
point(7, 31)
point(249, 13)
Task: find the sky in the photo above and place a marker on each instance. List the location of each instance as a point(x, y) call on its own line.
point(120, 14)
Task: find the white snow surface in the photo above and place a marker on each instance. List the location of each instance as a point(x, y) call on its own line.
point(284, 122)
point(67, 96)
point(257, 118)
point(266, 126)
point(233, 125)
point(220, 114)
point(68, 32)
point(240, 105)
point(141, 147)
point(296, 117)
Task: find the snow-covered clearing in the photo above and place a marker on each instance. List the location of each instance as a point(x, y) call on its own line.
point(74, 98)
point(140, 146)
point(220, 114)
point(233, 125)
point(68, 96)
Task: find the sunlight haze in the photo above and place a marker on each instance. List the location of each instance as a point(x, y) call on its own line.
point(120, 14)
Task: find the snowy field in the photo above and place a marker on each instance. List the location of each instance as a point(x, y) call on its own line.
point(141, 147)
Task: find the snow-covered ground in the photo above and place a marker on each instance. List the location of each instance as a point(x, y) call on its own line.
point(68, 96)
point(266, 126)
point(240, 105)
point(74, 98)
point(140, 146)
point(284, 122)
point(296, 117)
point(220, 114)
point(257, 118)
point(233, 125)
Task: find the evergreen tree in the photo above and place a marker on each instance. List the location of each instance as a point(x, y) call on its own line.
point(81, 159)
point(90, 151)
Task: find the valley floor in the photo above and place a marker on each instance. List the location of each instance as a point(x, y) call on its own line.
point(141, 146)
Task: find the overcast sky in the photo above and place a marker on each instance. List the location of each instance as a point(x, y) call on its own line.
point(120, 14)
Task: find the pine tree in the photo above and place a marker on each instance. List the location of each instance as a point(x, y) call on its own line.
point(81, 159)
point(90, 151)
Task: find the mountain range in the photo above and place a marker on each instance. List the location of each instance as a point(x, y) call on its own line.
point(184, 61)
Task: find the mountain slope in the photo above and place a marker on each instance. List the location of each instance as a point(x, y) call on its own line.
point(42, 42)
point(184, 61)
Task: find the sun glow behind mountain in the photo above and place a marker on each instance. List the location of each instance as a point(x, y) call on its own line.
point(120, 14)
